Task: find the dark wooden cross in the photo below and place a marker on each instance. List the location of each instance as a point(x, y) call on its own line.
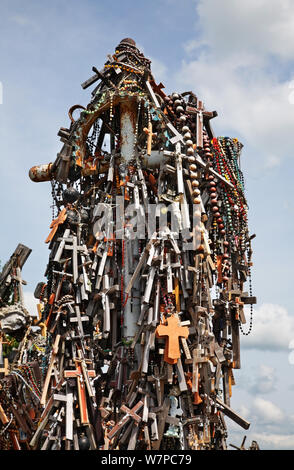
point(130, 414)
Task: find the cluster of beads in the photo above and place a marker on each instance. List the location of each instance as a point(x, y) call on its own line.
point(235, 209)
point(124, 67)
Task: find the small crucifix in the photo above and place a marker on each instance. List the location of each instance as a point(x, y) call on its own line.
point(130, 414)
point(150, 135)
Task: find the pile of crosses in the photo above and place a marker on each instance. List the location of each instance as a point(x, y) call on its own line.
point(139, 320)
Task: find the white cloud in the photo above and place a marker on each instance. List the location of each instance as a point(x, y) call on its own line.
point(273, 329)
point(230, 66)
point(267, 412)
point(264, 381)
point(274, 441)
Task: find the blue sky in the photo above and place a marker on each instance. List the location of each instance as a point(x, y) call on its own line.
point(238, 57)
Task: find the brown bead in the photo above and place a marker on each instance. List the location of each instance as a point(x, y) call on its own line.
point(210, 178)
point(213, 201)
point(215, 208)
point(212, 189)
point(223, 232)
point(226, 243)
point(213, 195)
point(217, 214)
point(195, 184)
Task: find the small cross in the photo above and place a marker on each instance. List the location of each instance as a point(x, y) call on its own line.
point(55, 224)
point(173, 331)
point(150, 136)
point(130, 413)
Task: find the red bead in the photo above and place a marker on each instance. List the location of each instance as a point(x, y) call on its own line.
point(221, 226)
point(212, 189)
point(213, 201)
point(215, 208)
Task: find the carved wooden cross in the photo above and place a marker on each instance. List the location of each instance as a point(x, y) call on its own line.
point(173, 331)
point(78, 374)
point(55, 224)
point(130, 414)
point(150, 135)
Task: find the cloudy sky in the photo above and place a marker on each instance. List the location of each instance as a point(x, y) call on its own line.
point(238, 57)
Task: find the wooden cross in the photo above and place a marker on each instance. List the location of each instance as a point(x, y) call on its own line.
point(173, 331)
point(55, 224)
point(78, 374)
point(50, 368)
point(68, 399)
point(150, 135)
point(130, 414)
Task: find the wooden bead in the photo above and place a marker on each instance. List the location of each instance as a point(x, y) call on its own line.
point(195, 184)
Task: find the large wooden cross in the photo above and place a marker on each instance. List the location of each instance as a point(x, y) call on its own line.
point(172, 331)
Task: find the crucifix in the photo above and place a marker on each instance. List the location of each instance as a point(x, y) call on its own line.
point(158, 380)
point(172, 331)
point(130, 414)
point(150, 135)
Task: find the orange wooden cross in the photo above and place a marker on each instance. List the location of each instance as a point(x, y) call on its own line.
point(55, 224)
point(173, 331)
point(78, 374)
